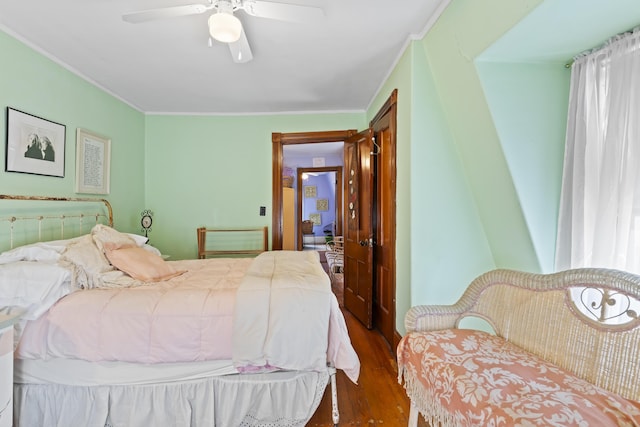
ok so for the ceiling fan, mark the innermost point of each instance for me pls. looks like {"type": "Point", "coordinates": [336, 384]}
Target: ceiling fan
{"type": "Point", "coordinates": [224, 26]}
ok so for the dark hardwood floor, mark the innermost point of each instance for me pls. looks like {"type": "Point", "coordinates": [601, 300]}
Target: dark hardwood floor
{"type": "Point", "coordinates": [377, 399]}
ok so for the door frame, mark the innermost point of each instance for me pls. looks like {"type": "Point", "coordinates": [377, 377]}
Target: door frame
{"type": "Point", "coordinates": [279, 140]}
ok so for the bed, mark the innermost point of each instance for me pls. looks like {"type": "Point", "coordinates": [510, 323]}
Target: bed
{"type": "Point", "coordinates": [114, 335]}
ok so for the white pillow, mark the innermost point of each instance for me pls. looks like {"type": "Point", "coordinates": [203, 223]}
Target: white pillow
{"type": "Point", "coordinates": [86, 263]}
{"type": "Point", "coordinates": [34, 286]}
{"type": "Point", "coordinates": [41, 251]}
{"type": "Point", "coordinates": [140, 240]}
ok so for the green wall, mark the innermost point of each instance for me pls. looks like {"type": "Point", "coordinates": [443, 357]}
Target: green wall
{"type": "Point", "coordinates": [32, 83]}
{"type": "Point", "coordinates": [463, 31]}
{"type": "Point", "coordinates": [215, 171]}
{"type": "Point", "coordinates": [529, 103]}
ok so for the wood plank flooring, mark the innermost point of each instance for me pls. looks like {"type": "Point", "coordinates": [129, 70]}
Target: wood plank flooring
{"type": "Point", "coordinates": [377, 399]}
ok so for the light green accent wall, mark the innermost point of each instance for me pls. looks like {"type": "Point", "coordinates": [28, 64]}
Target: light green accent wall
{"type": "Point", "coordinates": [453, 248]}
{"type": "Point", "coordinates": [34, 84]}
{"type": "Point", "coordinates": [529, 103]}
{"type": "Point", "coordinates": [462, 32]}
{"type": "Point", "coordinates": [215, 171]}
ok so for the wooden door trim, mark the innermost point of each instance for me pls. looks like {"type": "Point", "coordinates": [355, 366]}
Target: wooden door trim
{"type": "Point", "coordinates": [390, 103]}
{"type": "Point", "coordinates": [279, 140]}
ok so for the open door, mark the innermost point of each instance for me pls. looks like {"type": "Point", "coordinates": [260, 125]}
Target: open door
{"type": "Point", "coordinates": [358, 228]}
{"type": "Point", "coordinates": [383, 164]}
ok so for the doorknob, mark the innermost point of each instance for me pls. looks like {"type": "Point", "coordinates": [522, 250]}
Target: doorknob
{"type": "Point", "coordinates": [366, 242]}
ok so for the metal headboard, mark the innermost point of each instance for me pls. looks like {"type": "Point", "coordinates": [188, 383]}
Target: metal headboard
{"type": "Point", "coordinates": [85, 211]}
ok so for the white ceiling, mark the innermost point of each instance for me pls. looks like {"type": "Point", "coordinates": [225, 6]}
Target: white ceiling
{"type": "Point", "coordinates": [166, 66]}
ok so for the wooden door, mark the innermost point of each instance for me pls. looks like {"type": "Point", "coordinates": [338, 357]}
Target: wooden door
{"type": "Point", "coordinates": [384, 166]}
{"type": "Point", "coordinates": [358, 231]}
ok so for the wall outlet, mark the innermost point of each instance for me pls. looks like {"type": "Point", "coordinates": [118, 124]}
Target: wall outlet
{"type": "Point", "coordinates": [263, 210]}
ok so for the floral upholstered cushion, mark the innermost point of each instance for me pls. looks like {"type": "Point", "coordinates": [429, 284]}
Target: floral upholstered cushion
{"type": "Point", "coordinates": [465, 378]}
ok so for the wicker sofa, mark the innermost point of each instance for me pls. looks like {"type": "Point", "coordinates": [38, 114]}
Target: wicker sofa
{"type": "Point", "coordinates": [566, 351]}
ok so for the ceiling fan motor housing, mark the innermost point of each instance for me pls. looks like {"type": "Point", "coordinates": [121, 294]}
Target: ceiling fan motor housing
{"type": "Point", "coordinates": [223, 25]}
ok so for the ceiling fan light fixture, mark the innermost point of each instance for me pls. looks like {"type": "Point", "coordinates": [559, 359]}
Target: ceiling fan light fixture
{"type": "Point", "coordinates": [225, 27]}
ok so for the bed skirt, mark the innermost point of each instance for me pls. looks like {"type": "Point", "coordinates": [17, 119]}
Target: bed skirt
{"type": "Point", "coordinates": [279, 399]}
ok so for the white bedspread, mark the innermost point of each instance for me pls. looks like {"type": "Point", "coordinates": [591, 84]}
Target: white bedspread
{"type": "Point", "coordinates": [286, 317]}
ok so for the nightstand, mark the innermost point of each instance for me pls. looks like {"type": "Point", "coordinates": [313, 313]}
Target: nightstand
{"type": "Point", "coordinates": [6, 366]}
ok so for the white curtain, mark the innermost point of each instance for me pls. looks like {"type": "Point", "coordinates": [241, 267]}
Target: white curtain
{"type": "Point", "coordinates": [599, 218]}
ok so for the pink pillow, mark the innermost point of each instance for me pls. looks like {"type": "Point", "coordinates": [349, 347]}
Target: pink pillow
{"type": "Point", "coordinates": [107, 238]}
{"type": "Point", "coordinates": [141, 264]}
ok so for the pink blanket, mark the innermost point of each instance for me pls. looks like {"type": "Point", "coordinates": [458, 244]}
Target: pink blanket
{"type": "Point", "coordinates": [467, 378]}
{"type": "Point", "coordinates": [188, 318]}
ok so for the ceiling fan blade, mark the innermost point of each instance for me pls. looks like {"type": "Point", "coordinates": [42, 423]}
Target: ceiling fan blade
{"type": "Point", "coordinates": [283, 11]}
{"type": "Point", "coordinates": [240, 50]}
{"type": "Point", "coordinates": [166, 12]}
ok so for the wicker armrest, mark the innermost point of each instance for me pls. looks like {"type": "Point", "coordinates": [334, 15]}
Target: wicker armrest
{"type": "Point", "coordinates": [432, 317]}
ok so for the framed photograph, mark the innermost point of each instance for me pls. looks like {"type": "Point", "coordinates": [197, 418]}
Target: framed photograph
{"type": "Point", "coordinates": [34, 145]}
{"type": "Point", "coordinates": [310, 191]}
{"type": "Point", "coordinates": [93, 162]}
{"type": "Point", "coordinates": [316, 218]}
{"type": "Point", "coordinates": [322, 204]}
{"type": "Point", "coordinates": [318, 162]}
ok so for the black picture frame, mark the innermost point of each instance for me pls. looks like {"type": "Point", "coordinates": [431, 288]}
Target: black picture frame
{"type": "Point", "coordinates": [34, 145]}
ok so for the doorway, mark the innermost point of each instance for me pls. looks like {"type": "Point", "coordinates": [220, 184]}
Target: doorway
{"type": "Point", "coordinates": [378, 305]}
{"type": "Point", "coordinates": [279, 141]}
{"type": "Point", "coordinates": [319, 200]}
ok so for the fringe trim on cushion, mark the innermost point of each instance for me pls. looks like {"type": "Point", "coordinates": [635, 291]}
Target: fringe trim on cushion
{"type": "Point", "coordinates": [429, 406]}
